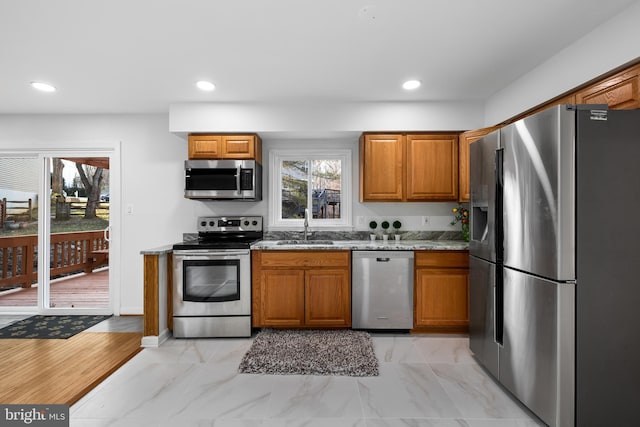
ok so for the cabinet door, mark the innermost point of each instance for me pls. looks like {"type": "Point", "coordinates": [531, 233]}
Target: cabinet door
{"type": "Point", "coordinates": [441, 297]}
{"type": "Point", "coordinates": [432, 167]}
{"type": "Point", "coordinates": [205, 146]}
{"type": "Point", "coordinates": [328, 298]}
{"type": "Point", "coordinates": [381, 168]}
{"type": "Point", "coordinates": [464, 141]}
{"type": "Point", "coordinates": [619, 91]}
{"type": "Point", "coordinates": [282, 297]}
{"type": "Point", "coordinates": [238, 147]}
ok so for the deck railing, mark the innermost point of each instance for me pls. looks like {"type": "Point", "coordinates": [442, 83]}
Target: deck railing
{"type": "Point", "coordinates": [70, 252]}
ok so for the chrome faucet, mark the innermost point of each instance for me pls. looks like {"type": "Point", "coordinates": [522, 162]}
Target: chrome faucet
{"type": "Point", "coordinates": [306, 223]}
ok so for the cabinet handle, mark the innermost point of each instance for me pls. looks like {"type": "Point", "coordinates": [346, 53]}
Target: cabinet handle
{"type": "Point", "coordinates": [383, 259]}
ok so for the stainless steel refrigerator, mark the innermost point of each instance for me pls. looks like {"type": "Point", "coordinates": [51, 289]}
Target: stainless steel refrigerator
{"type": "Point", "coordinates": [555, 255]}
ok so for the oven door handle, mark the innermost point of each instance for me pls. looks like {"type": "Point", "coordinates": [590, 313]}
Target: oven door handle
{"type": "Point", "coordinates": [209, 254]}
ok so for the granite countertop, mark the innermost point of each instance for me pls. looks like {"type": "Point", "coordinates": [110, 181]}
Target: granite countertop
{"type": "Point", "coordinates": [161, 250]}
{"type": "Point", "coordinates": [367, 245]}
{"type": "Point", "coordinates": [417, 240]}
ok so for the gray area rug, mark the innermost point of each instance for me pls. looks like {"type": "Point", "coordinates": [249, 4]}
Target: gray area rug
{"type": "Point", "coordinates": [311, 352]}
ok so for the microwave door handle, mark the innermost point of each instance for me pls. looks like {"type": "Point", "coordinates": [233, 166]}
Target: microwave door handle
{"type": "Point", "coordinates": [238, 179]}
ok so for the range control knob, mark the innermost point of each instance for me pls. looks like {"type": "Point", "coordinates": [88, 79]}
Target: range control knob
{"type": "Point", "coordinates": [254, 222]}
{"type": "Point", "coordinates": [212, 223]}
{"type": "Point", "coordinates": [203, 223]}
{"type": "Point", "coordinates": [246, 223]}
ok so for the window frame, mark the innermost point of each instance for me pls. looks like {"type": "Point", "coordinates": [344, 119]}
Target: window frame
{"type": "Point", "coordinates": [276, 157]}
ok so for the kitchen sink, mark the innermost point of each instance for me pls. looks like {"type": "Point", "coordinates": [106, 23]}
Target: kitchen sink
{"type": "Point", "coordinates": [305, 242]}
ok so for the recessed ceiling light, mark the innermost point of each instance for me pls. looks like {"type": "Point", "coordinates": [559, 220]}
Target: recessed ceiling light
{"type": "Point", "coordinates": [45, 87]}
{"type": "Point", "coordinates": [411, 84]}
{"type": "Point", "coordinates": [205, 85]}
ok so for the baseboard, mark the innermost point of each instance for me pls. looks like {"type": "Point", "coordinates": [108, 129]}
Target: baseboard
{"type": "Point", "coordinates": [131, 311]}
{"type": "Point", "coordinates": [155, 341]}
{"type": "Point", "coordinates": [457, 329]}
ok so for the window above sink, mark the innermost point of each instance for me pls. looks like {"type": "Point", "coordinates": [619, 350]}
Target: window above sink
{"type": "Point", "coordinates": [317, 180]}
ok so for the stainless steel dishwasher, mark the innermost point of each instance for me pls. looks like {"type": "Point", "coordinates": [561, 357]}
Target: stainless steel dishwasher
{"type": "Point", "coordinates": [382, 289]}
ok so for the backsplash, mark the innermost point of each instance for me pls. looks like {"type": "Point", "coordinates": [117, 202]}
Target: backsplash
{"type": "Point", "coordinates": [349, 235]}
{"type": "Point", "coordinates": [362, 235]}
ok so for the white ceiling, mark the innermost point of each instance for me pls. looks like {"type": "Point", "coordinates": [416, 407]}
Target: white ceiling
{"type": "Point", "coordinates": [140, 56]}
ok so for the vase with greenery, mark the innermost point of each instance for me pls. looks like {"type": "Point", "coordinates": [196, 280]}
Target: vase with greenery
{"type": "Point", "coordinates": [462, 216]}
{"type": "Point", "coordinates": [396, 229]}
{"type": "Point", "coordinates": [373, 225]}
{"type": "Point", "coordinates": [385, 226]}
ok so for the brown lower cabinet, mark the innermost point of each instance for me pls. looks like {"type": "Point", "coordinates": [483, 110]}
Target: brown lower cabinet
{"type": "Point", "coordinates": [301, 289]}
{"type": "Point", "coordinates": [441, 296]}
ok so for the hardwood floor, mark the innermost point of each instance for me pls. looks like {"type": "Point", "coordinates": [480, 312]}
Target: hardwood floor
{"type": "Point", "coordinates": [59, 371]}
{"type": "Point", "coordinates": [79, 291]}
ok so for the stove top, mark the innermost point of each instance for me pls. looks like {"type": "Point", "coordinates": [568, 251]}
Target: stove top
{"type": "Point", "coordinates": [228, 232]}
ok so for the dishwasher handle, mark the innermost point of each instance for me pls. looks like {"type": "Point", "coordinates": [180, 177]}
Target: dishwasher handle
{"type": "Point", "coordinates": [383, 256]}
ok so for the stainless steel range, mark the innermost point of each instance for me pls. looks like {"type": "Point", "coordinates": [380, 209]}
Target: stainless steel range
{"type": "Point", "coordinates": [212, 278]}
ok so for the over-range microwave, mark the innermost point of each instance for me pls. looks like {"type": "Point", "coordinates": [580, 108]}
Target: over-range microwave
{"type": "Point", "coordinates": [223, 179]}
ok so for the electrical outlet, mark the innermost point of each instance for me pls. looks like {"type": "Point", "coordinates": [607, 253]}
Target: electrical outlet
{"type": "Point", "coordinates": [426, 220]}
{"type": "Point", "coordinates": [360, 220]}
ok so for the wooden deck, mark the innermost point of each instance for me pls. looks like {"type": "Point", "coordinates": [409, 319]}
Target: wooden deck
{"type": "Point", "coordinates": [85, 290]}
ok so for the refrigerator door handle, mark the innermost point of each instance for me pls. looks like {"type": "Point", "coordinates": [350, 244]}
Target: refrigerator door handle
{"type": "Point", "coordinates": [499, 223]}
{"type": "Point", "coordinates": [499, 236]}
{"type": "Point", "coordinates": [499, 306]}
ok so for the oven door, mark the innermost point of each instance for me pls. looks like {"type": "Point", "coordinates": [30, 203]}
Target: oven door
{"type": "Point", "coordinates": [212, 283]}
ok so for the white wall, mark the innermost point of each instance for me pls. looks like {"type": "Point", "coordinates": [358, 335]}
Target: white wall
{"type": "Point", "coordinates": [610, 45]}
{"type": "Point", "coordinates": [319, 120]}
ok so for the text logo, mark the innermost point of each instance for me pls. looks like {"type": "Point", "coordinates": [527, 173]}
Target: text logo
{"type": "Point", "coordinates": [34, 415]}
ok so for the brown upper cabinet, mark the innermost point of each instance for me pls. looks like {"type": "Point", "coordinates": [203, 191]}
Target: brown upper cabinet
{"type": "Point", "coordinates": [619, 91]}
{"type": "Point", "coordinates": [225, 146]}
{"type": "Point", "coordinates": [464, 141]}
{"type": "Point", "coordinates": [411, 167]}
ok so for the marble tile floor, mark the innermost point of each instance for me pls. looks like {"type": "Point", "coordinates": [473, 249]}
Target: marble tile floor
{"type": "Point", "coordinates": [425, 381]}
{"type": "Point", "coordinates": [118, 324]}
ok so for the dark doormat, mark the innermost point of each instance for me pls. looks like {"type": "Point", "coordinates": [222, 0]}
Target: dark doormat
{"type": "Point", "coordinates": [311, 352]}
{"type": "Point", "coordinates": [50, 326]}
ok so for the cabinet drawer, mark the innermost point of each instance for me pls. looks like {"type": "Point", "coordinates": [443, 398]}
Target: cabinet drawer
{"type": "Point", "coordinates": [455, 259]}
{"type": "Point", "coordinates": [305, 259]}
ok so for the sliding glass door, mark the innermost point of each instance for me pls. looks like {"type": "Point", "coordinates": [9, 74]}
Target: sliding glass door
{"type": "Point", "coordinates": [55, 233]}
{"type": "Point", "coordinates": [19, 204]}
{"type": "Point", "coordinates": [78, 233]}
